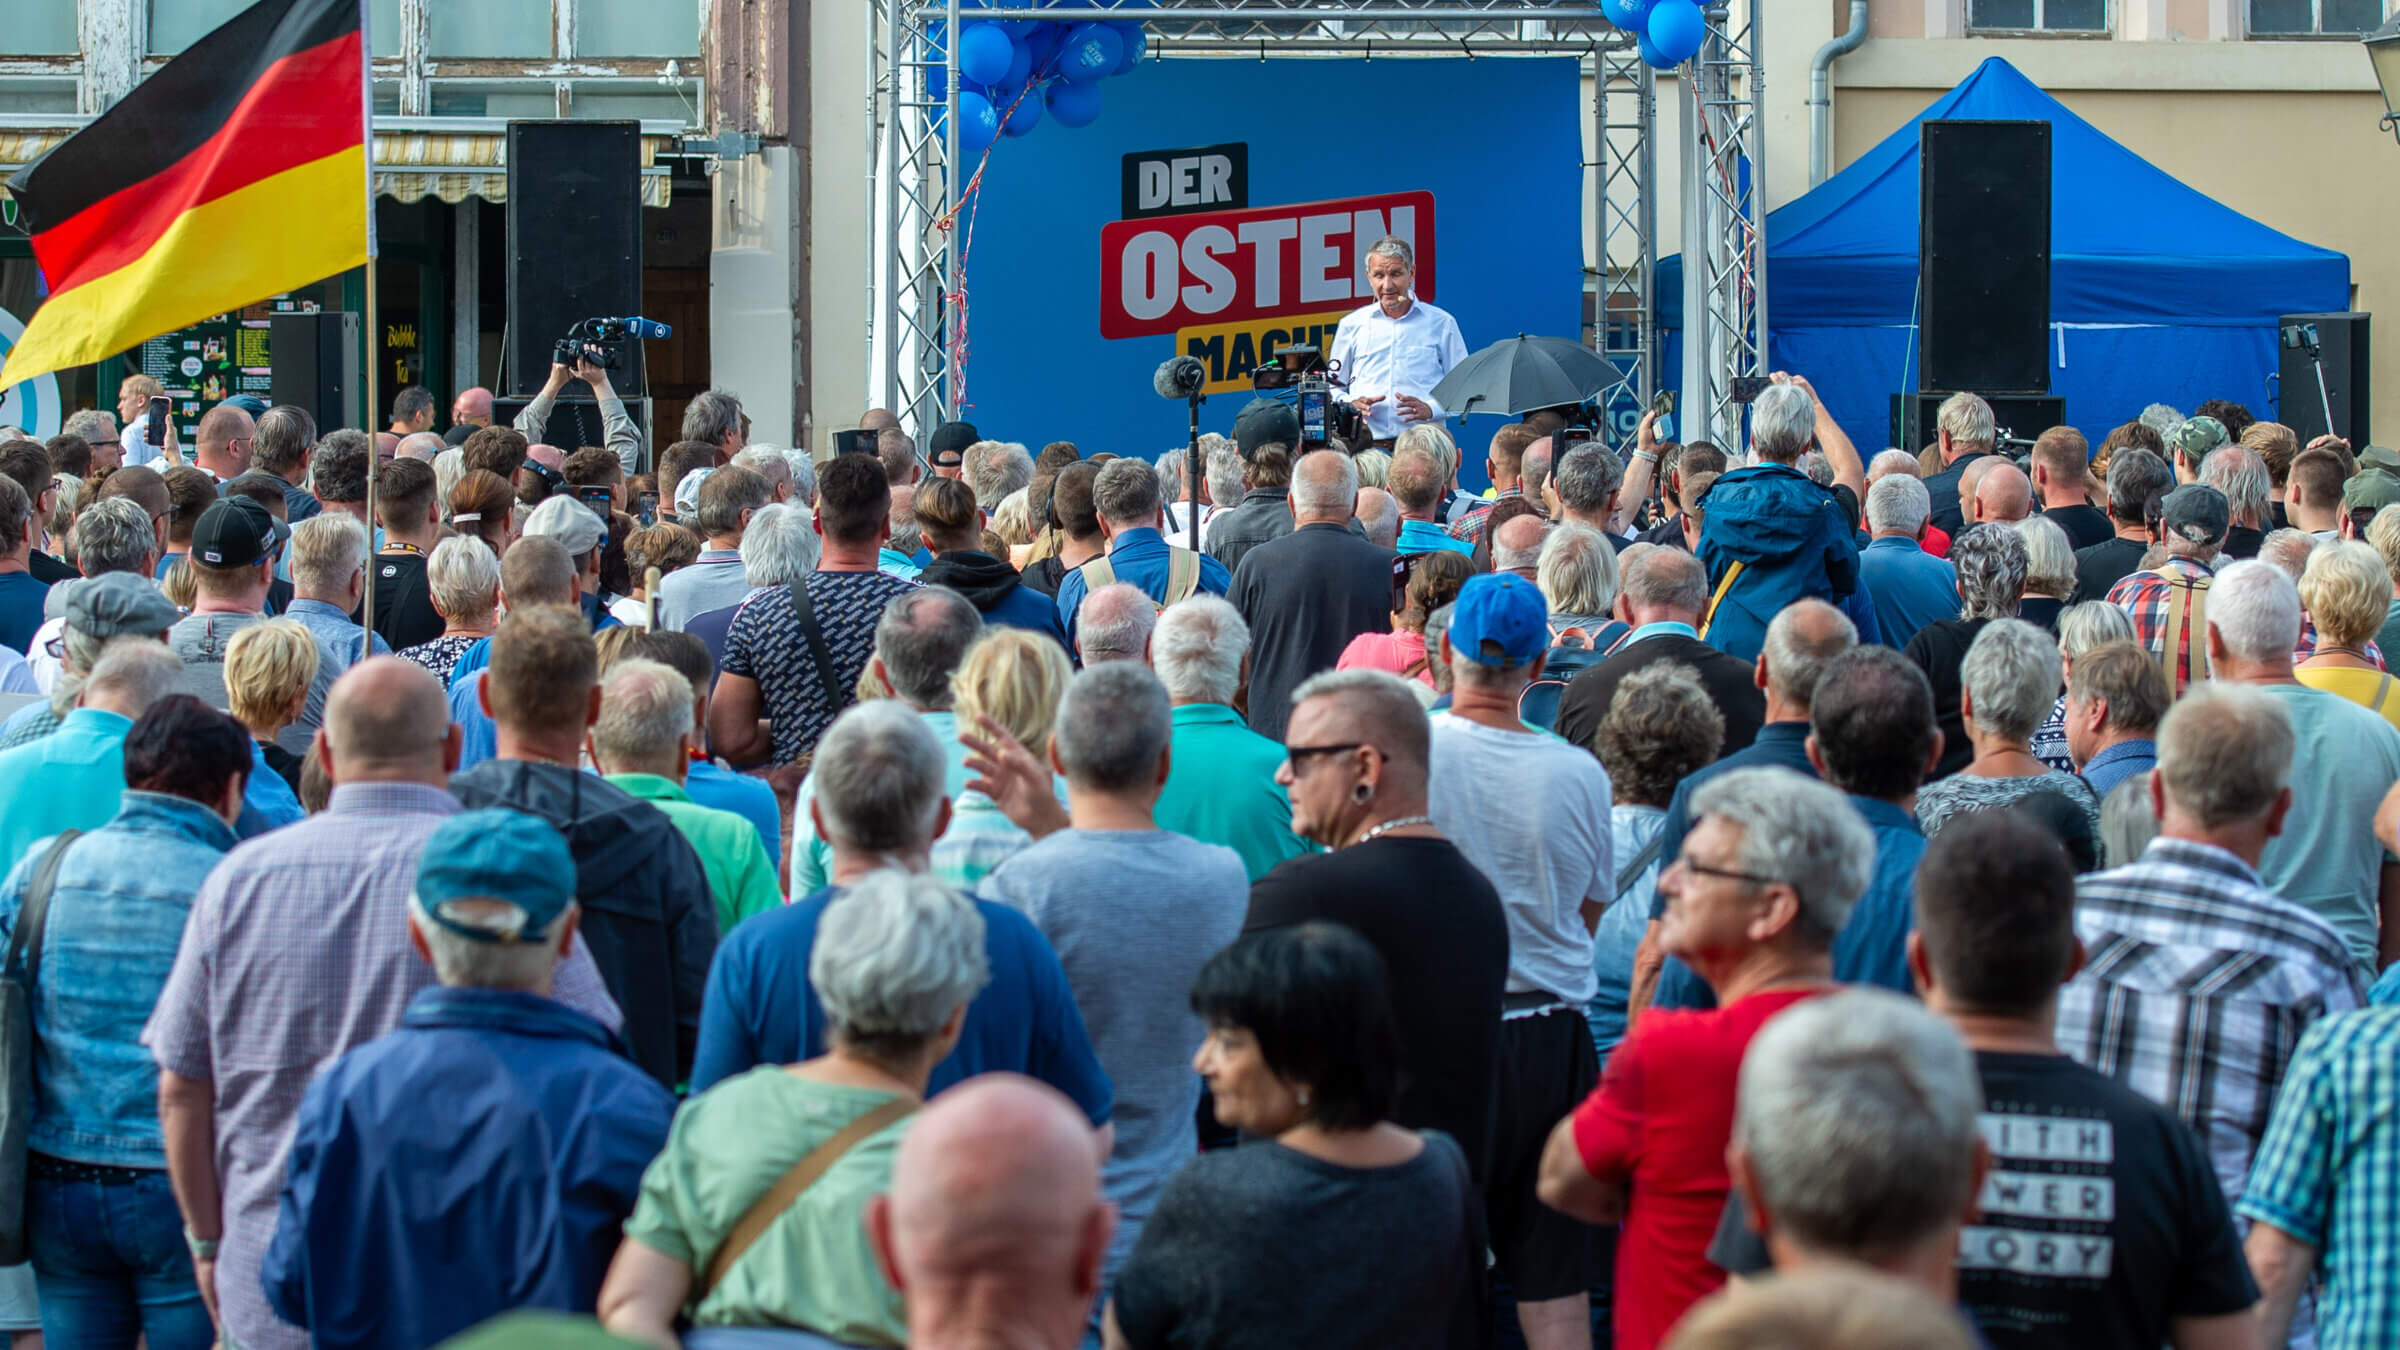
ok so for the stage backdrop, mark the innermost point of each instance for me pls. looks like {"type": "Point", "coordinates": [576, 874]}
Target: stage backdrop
{"type": "Point", "coordinates": [1220, 207]}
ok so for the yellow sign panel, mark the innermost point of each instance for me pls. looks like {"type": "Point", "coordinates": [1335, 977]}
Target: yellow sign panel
{"type": "Point", "coordinates": [1232, 350]}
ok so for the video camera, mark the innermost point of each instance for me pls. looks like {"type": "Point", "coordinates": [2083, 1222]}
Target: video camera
{"type": "Point", "coordinates": [1325, 417]}
{"type": "Point", "coordinates": [602, 341]}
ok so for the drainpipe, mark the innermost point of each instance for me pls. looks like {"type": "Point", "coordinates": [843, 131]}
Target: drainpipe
{"type": "Point", "coordinates": [1820, 93]}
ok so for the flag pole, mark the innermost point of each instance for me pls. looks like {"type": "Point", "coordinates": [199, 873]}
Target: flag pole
{"type": "Point", "coordinates": [366, 641]}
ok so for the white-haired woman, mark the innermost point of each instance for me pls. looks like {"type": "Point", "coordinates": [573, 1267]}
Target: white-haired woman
{"type": "Point", "coordinates": [1990, 561]}
{"type": "Point", "coordinates": [2080, 628]}
{"type": "Point", "coordinates": [2049, 572]}
{"type": "Point", "coordinates": [896, 960]}
{"type": "Point", "coordinates": [2010, 676]}
{"type": "Point", "coordinates": [463, 579]}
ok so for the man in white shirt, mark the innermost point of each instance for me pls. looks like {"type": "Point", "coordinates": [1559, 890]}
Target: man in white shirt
{"type": "Point", "coordinates": [1392, 353]}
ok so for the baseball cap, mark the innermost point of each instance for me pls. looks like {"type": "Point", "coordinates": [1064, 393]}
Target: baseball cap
{"type": "Point", "coordinates": [568, 521]}
{"type": "Point", "coordinates": [687, 488]}
{"type": "Point", "coordinates": [1501, 620]}
{"type": "Point", "coordinates": [234, 532]}
{"type": "Point", "coordinates": [948, 447]}
{"type": "Point", "coordinates": [1265, 422]}
{"type": "Point", "coordinates": [117, 602]}
{"type": "Point", "coordinates": [249, 403]}
{"type": "Point", "coordinates": [496, 855]}
{"type": "Point", "coordinates": [2197, 513]}
{"type": "Point", "coordinates": [2376, 485]}
{"type": "Point", "coordinates": [2199, 435]}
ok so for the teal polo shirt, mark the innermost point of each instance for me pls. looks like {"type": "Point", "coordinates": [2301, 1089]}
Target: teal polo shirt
{"type": "Point", "coordinates": [71, 779]}
{"type": "Point", "coordinates": [1221, 788]}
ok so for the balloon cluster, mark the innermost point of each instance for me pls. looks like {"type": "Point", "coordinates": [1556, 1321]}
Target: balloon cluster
{"type": "Point", "coordinates": [1011, 71]}
{"type": "Point", "coordinates": [1669, 32]}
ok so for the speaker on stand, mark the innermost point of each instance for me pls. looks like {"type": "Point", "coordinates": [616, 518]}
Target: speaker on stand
{"type": "Point", "coordinates": [316, 358]}
{"type": "Point", "coordinates": [574, 242]}
{"type": "Point", "coordinates": [2323, 380]}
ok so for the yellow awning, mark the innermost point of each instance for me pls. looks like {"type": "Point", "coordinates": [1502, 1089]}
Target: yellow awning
{"type": "Point", "coordinates": [409, 165]}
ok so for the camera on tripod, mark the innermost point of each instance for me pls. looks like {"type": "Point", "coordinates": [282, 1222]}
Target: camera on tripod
{"type": "Point", "coordinates": [2300, 337]}
{"type": "Point", "coordinates": [1325, 417]}
{"type": "Point", "coordinates": [602, 341]}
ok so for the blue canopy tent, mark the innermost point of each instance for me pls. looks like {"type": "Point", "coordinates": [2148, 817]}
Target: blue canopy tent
{"type": "Point", "coordinates": [2157, 292]}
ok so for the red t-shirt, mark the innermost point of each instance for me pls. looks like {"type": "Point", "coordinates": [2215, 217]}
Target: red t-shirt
{"type": "Point", "coordinates": [1660, 1120]}
{"type": "Point", "coordinates": [1936, 541]}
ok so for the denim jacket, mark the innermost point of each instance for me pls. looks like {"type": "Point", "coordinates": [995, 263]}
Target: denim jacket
{"type": "Point", "coordinates": [116, 918]}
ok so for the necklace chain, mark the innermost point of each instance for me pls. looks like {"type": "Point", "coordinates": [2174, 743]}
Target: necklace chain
{"type": "Point", "coordinates": [1400, 823]}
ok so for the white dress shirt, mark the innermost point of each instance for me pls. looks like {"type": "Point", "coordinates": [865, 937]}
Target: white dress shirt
{"type": "Point", "coordinates": [1379, 354]}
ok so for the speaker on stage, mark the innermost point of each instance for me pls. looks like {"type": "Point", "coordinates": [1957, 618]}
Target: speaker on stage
{"type": "Point", "coordinates": [1983, 260]}
{"type": "Point", "coordinates": [1916, 417]}
{"type": "Point", "coordinates": [2341, 350]}
{"type": "Point", "coordinates": [574, 241]}
{"type": "Point", "coordinates": [315, 359]}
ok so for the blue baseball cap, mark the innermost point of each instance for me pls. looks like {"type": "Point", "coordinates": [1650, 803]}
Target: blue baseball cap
{"type": "Point", "coordinates": [1501, 620]}
{"type": "Point", "coordinates": [497, 855]}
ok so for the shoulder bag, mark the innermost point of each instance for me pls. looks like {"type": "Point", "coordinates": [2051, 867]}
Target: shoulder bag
{"type": "Point", "coordinates": [17, 980]}
{"type": "Point", "coordinates": [771, 1204]}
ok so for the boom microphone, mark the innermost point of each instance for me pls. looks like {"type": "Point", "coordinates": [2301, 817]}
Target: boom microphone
{"type": "Point", "coordinates": [1181, 378]}
{"type": "Point", "coordinates": [647, 328]}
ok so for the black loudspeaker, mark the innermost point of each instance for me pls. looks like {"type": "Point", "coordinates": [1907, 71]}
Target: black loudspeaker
{"type": "Point", "coordinates": [1983, 257]}
{"type": "Point", "coordinates": [2342, 351]}
{"type": "Point", "coordinates": [316, 358]}
{"type": "Point", "coordinates": [574, 241]}
{"type": "Point", "coordinates": [1916, 417]}
{"type": "Point", "coordinates": [574, 423]}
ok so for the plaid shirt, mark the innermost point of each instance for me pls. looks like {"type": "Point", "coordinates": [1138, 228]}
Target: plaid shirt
{"type": "Point", "coordinates": [2328, 1173]}
{"type": "Point", "coordinates": [2151, 599]}
{"type": "Point", "coordinates": [296, 951]}
{"type": "Point", "coordinates": [1473, 521]}
{"type": "Point", "coordinates": [2198, 985]}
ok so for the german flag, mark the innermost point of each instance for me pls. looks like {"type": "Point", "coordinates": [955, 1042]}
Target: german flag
{"type": "Point", "coordinates": [238, 171]}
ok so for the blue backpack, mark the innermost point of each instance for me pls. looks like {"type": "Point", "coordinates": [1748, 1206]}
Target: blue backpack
{"type": "Point", "coordinates": [1572, 652]}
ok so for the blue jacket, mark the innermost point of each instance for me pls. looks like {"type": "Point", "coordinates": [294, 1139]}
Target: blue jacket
{"type": "Point", "coordinates": [482, 1157]}
{"type": "Point", "coordinates": [760, 1008]}
{"type": "Point", "coordinates": [1792, 540]}
{"type": "Point", "coordinates": [116, 918]}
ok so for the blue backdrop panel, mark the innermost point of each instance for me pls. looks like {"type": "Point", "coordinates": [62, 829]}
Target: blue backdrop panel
{"type": "Point", "coordinates": [1498, 145]}
{"type": "Point", "coordinates": [2198, 284]}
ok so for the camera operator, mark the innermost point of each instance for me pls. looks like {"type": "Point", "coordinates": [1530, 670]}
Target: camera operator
{"type": "Point", "coordinates": [1391, 354]}
{"type": "Point", "coordinates": [617, 429]}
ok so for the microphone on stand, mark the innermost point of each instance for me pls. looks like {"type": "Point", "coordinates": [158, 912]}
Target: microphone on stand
{"type": "Point", "coordinates": [1183, 377]}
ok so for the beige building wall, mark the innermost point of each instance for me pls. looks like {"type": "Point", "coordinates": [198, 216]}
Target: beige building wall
{"type": "Point", "coordinates": [2284, 132]}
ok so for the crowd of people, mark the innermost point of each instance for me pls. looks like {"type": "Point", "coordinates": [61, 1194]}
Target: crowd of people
{"type": "Point", "coordinates": [486, 893]}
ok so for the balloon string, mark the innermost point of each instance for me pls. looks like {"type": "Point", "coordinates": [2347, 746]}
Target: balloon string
{"type": "Point", "coordinates": [955, 299]}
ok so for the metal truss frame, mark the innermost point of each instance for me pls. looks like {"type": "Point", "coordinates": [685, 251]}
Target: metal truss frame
{"type": "Point", "coordinates": [1724, 224]}
{"type": "Point", "coordinates": [926, 200]}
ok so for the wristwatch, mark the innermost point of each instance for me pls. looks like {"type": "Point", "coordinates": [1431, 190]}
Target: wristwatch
{"type": "Point", "coordinates": [203, 1249]}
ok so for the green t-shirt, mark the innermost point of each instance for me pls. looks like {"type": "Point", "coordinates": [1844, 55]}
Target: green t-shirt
{"type": "Point", "coordinates": [1221, 789]}
{"type": "Point", "coordinates": [740, 874]}
{"type": "Point", "coordinates": [813, 1267]}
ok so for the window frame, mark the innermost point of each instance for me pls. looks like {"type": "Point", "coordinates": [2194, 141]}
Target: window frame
{"type": "Point", "coordinates": [2316, 31]}
{"type": "Point", "coordinates": [2107, 28]}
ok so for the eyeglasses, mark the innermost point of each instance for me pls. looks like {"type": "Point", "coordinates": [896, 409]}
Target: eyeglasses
{"type": "Point", "coordinates": [1728, 873]}
{"type": "Point", "coordinates": [1300, 754]}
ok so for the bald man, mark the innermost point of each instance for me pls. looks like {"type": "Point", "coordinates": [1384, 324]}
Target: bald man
{"type": "Point", "coordinates": [472, 408]}
{"type": "Point", "coordinates": [994, 1230]}
{"type": "Point", "coordinates": [2002, 496]}
{"type": "Point", "coordinates": [221, 445]}
{"type": "Point", "coordinates": [422, 445]}
{"type": "Point", "coordinates": [1969, 478]}
{"type": "Point", "coordinates": [1517, 545]}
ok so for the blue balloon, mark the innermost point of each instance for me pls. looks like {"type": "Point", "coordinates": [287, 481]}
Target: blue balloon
{"type": "Point", "coordinates": [1026, 115]}
{"type": "Point", "coordinates": [1020, 65]}
{"type": "Point", "coordinates": [984, 51]}
{"type": "Point", "coordinates": [1677, 28]}
{"type": "Point", "coordinates": [1135, 41]}
{"type": "Point", "coordinates": [1630, 15]}
{"type": "Point", "coordinates": [978, 123]}
{"type": "Point", "coordinates": [1089, 52]}
{"type": "Point", "coordinates": [1043, 42]}
{"type": "Point", "coordinates": [1073, 105]}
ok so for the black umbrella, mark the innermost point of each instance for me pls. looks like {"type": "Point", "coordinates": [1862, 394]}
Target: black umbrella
{"type": "Point", "coordinates": [1520, 374]}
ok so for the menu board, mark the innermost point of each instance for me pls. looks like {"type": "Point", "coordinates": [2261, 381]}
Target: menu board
{"type": "Point", "coordinates": [218, 357]}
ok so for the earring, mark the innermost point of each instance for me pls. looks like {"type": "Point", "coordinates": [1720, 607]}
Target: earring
{"type": "Point", "coordinates": [1362, 794]}
{"type": "Point", "coordinates": [1303, 1095]}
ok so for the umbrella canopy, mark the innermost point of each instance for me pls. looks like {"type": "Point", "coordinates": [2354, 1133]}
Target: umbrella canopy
{"type": "Point", "coordinates": [1520, 374]}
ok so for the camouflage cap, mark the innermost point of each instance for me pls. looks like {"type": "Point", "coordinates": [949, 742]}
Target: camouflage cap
{"type": "Point", "coordinates": [2198, 436]}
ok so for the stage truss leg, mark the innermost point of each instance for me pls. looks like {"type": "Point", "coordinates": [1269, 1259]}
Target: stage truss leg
{"type": "Point", "coordinates": [1724, 214]}
{"type": "Point", "coordinates": [1625, 214]}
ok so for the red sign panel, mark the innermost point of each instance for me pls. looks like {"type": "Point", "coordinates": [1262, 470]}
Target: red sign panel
{"type": "Point", "coordinates": [1214, 267]}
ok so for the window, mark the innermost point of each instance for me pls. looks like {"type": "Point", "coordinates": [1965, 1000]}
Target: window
{"type": "Point", "coordinates": [636, 28]}
{"type": "Point", "coordinates": [177, 24]}
{"type": "Point", "coordinates": [490, 28]}
{"type": "Point", "coordinates": [2039, 16]}
{"type": "Point", "coordinates": [39, 28]}
{"type": "Point", "coordinates": [2307, 18]}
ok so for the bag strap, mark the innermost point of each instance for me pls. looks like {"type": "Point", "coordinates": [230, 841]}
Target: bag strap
{"type": "Point", "coordinates": [770, 1205]}
{"type": "Point", "coordinates": [25, 944]}
{"type": "Point", "coordinates": [1732, 574]}
{"type": "Point", "coordinates": [814, 633]}
{"type": "Point", "coordinates": [1183, 574]}
{"type": "Point", "coordinates": [2383, 690]}
{"type": "Point", "coordinates": [1097, 573]}
{"type": "Point", "coordinates": [2187, 619]}
{"type": "Point", "coordinates": [1632, 871]}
